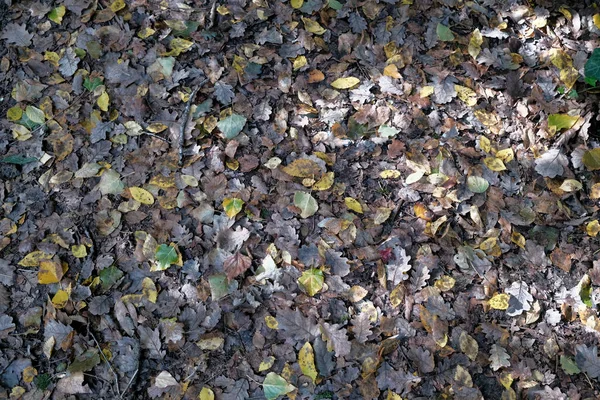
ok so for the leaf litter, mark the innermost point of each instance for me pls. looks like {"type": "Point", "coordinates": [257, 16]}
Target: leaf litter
{"type": "Point", "coordinates": [307, 199]}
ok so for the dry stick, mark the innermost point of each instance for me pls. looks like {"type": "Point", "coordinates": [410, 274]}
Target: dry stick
{"type": "Point", "coordinates": [109, 364]}
{"type": "Point", "coordinates": [212, 15]}
{"type": "Point", "coordinates": [129, 384]}
{"type": "Point", "coordinates": [185, 117]}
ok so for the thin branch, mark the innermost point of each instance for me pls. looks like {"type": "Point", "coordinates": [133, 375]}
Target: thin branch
{"type": "Point", "coordinates": [185, 116]}
{"type": "Point", "coordinates": [130, 382]}
{"type": "Point", "coordinates": [109, 364]}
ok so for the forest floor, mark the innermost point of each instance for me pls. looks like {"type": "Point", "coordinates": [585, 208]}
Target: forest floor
{"type": "Point", "coordinates": [309, 199]}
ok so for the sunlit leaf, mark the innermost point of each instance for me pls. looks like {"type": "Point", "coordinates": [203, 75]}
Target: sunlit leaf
{"type": "Point", "coordinates": [232, 206]}
{"type": "Point", "coordinates": [353, 205]}
{"type": "Point", "coordinates": [313, 26]}
{"type": "Point", "coordinates": [312, 281]}
{"type": "Point", "coordinates": [591, 159]}
{"type": "Point", "coordinates": [499, 301]}
{"type": "Point", "coordinates": [141, 195]}
{"type": "Point", "coordinates": [345, 83]}
{"type": "Point", "coordinates": [475, 43]}
{"type": "Point", "coordinates": [165, 256]}
{"type": "Point", "coordinates": [306, 359]}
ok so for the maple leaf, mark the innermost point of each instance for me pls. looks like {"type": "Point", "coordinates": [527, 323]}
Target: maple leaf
{"type": "Point", "coordinates": [17, 34]}
{"type": "Point", "coordinates": [398, 381]}
{"type": "Point", "coordinates": [336, 338]}
{"type": "Point", "coordinates": [551, 164]}
{"type": "Point", "coordinates": [587, 359]}
{"type": "Point", "coordinates": [361, 325]}
{"type": "Point", "coordinates": [296, 326]}
{"type": "Point", "coordinates": [398, 268]}
{"type": "Point", "coordinates": [499, 357]}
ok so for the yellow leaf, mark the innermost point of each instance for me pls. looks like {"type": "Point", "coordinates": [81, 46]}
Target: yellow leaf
{"type": "Point", "coordinates": [306, 359]}
{"type": "Point", "coordinates": [565, 11]}
{"type": "Point", "coordinates": [487, 118]}
{"type": "Point", "coordinates": [117, 5]}
{"type": "Point", "coordinates": [466, 94]}
{"type": "Point", "coordinates": [33, 259]}
{"type": "Point", "coordinates": [232, 206]}
{"type": "Point", "coordinates": [392, 71]}
{"type": "Point", "coordinates": [206, 394]}
{"type": "Point", "coordinates": [506, 155]}
{"type": "Point", "coordinates": [560, 59]}
{"type": "Point", "coordinates": [210, 343]}
{"type": "Point", "coordinates": [103, 101]}
{"type": "Point", "coordinates": [266, 363]}
{"type": "Point", "coordinates": [390, 174]}
{"type": "Point", "coordinates": [149, 290]}
{"type": "Point", "coordinates": [271, 322]}
{"type": "Point", "coordinates": [445, 283]}
{"type": "Point", "coordinates": [499, 301]}
{"type": "Point", "coordinates": [569, 76]}
{"type": "Point", "coordinates": [325, 182]}
{"type": "Point", "coordinates": [397, 295]}
{"type": "Point", "coordinates": [146, 32]}
{"type": "Point", "coordinates": [506, 380]}
{"type": "Point", "coordinates": [299, 62]}
{"type": "Point", "coordinates": [313, 26]}
{"type": "Point", "coordinates": [303, 168]}
{"type": "Point", "coordinates": [345, 83]}
{"type": "Point", "coordinates": [14, 113]}
{"type": "Point", "coordinates": [51, 271]}
{"type": "Point", "coordinates": [156, 127]}
{"type": "Point", "coordinates": [426, 91]}
{"type": "Point", "coordinates": [60, 299]}
{"type": "Point", "coordinates": [21, 133]}
{"type": "Point", "coordinates": [163, 182]}
{"type": "Point", "coordinates": [597, 20]}
{"type": "Point", "coordinates": [178, 46]}
{"type": "Point", "coordinates": [391, 395]}
{"type": "Point", "coordinates": [79, 251]}
{"type": "Point", "coordinates": [494, 164]}
{"type": "Point", "coordinates": [57, 14]}
{"type": "Point", "coordinates": [468, 345]}
{"type": "Point", "coordinates": [593, 228]}
{"type": "Point", "coordinates": [223, 10]}
{"type": "Point", "coordinates": [595, 191]}
{"type": "Point", "coordinates": [475, 43]}
{"type": "Point", "coordinates": [485, 144]}
{"type": "Point", "coordinates": [141, 195]}
{"type": "Point", "coordinates": [297, 4]}
{"type": "Point", "coordinates": [571, 185]}
{"type": "Point", "coordinates": [517, 239]}
{"type": "Point", "coordinates": [189, 180]}
{"type": "Point", "coordinates": [29, 373]}
{"type": "Point", "coordinates": [353, 205]}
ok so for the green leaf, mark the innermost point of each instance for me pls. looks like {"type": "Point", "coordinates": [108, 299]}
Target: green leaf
{"type": "Point", "coordinates": [569, 366]}
{"type": "Point", "coordinates": [165, 255]}
{"type": "Point", "coordinates": [592, 67]}
{"type": "Point", "coordinates": [35, 115]}
{"type": "Point", "coordinates": [109, 276]}
{"type": "Point", "coordinates": [336, 5]}
{"type": "Point", "coordinates": [57, 14]}
{"type": "Point", "coordinates": [477, 184]}
{"type": "Point", "coordinates": [306, 203]}
{"type": "Point", "coordinates": [274, 386]}
{"type": "Point", "coordinates": [444, 33]}
{"type": "Point", "coordinates": [91, 84]}
{"type": "Point", "coordinates": [312, 281]}
{"type": "Point", "coordinates": [562, 121]}
{"type": "Point", "coordinates": [232, 206]}
{"type": "Point", "coordinates": [219, 286]}
{"type": "Point", "coordinates": [110, 183]}
{"type": "Point", "coordinates": [591, 159]}
{"type": "Point", "coordinates": [85, 362]}
{"type": "Point", "coordinates": [232, 125]}
{"type": "Point", "coordinates": [387, 131]}
{"type": "Point", "coordinates": [17, 159]}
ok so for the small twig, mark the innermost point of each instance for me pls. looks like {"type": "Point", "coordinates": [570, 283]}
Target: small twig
{"type": "Point", "coordinates": [185, 118]}
{"type": "Point", "coordinates": [155, 136]}
{"type": "Point", "coordinates": [130, 382]}
{"type": "Point", "coordinates": [212, 15]}
{"type": "Point", "coordinates": [107, 362]}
